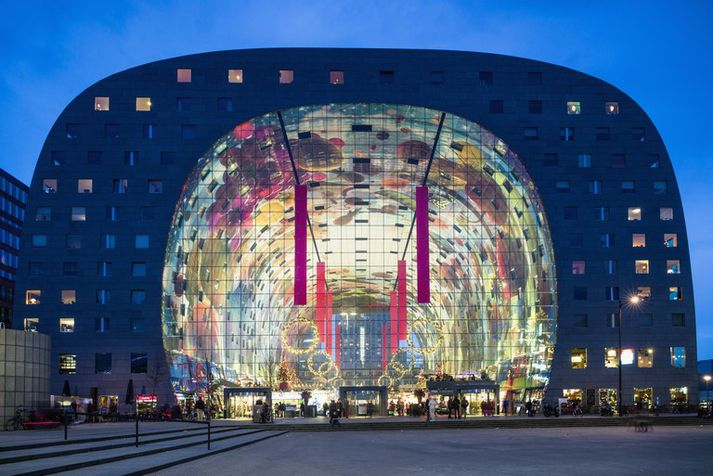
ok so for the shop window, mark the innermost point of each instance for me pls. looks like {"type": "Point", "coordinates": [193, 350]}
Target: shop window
{"type": "Point", "coordinates": [581, 320]}
{"type": "Point", "coordinates": [534, 107]}
{"type": "Point", "coordinates": [562, 186]}
{"type": "Point", "coordinates": [85, 186]}
{"type": "Point", "coordinates": [235, 76]}
{"type": "Point", "coordinates": [136, 324]}
{"type": "Point", "coordinates": [611, 108]}
{"type": "Point", "coordinates": [143, 104]}
{"type": "Point", "coordinates": [486, 78]}
{"type": "Point", "coordinates": [584, 161]}
{"type": "Point", "coordinates": [673, 266]}
{"type": "Point", "coordinates": [149, 131]}
{"type": "Point", "coordinates": [573, 394]}
{"type": "Point", "coordinates": [101, 103]}
{"type": "Point", "coordinates": [49, 185]}
{"type": "Point", "coordinates": [612, 320]}
{"type": "Point", "coordinates": [43, 214]}
{"type": "Point", "coordinates": [627, 356]}
{"type": "Point", "coordinates": [628, 186]}
{"type": "Point", "coordinates": [678, 319]}
{"type": "Point", "coordinates": [167, 158]}
{"type": "Point", "coordinates": [534, 78]}
{"type": "Point", "coordinates": [104, 269]}
{"type": "Point", "coordinates": [531, 133]}
{"type": "Point", "coordinates": [634, 214]}
{"type": "Point", "coordinates": [102, 363]}
{"type": "Point", "coordinates": [602, 133]}
{"type": "Point", "coordinates": [643, 292]}
{"type": "Point", "coordinates": [108, 242]}
{"type": "Point", "coordinates": [33, 296]}
{"type": "Point", "coordinates": [120, 185]}
{"type": "Point", "coordinates": [579, 293]}
{"type": "Point", "coordinates": [567, 134]}
{"type": "Point", "coordinates": [670, 240]}
{"type": "Point", "coordinates": [646, 319]}
{"type": "Point", "coordinates": [68, 364]}
{"type": "Point", "coordinates": [71, 131]}
{"type": "Point", "coordinates": [610, 358]}
{"type": "Point", "coordinates": [678, 396]}
{"type": "Point", "coordinates": [73, 242]}
{"type": "Point", "coordinates": [138, 296]}
{"type": "Point", "coordinates": [31, 324]}
{"type": "Point", "coordinates": [287, 76]}
{"type": "Point", "coordinates": [675, 293]}
{"type": "Point", "coordinates": [595, 187]}
{"type": "Point", "coordinates": [660, 187]}
{"type": "Point", "coordinates": [666, 214]}
{"type": "Point", "coordinates": [139, 363]}
{"type": "Point", "coordinates": [551, 160]}
{"type": "Point", "coordinates": [496, 106]}
{"type": "Point", "coordinates": [183, 104]}
{"type": "Point", "coordinates": [611, 293]}
{"type": "Point", "coordinates": [70, 268]}
{"type": "Point", "coordinates": [225, 104]}
{"type": "Point", "coordinates": [608, 240]}
{"type": "Point", "coordinates": [184, 75]}
{"type": "Point", "coordinates": [610, 266]}
{"type": "Point", "coordinates": [638, 240]}
{"type": "Point", "coordinates": [645, 358]}
{"type": "Point", "coordinates": [638, 134]}
{"type": "Point", "coordinates": [579, 358]}
{"type": "Point", "coordinates": [111, 131]}
{"type": "Point", "coordinates": [138, 269]}
{"type": "Point", "coordinates": [79, 214]}
{"type": "Point", "coordinates": [570, 213]}
{"type": "Point", "coordinates": [69, 296]}
{"type": "Point", "coordinates": [578, 267]}
{"type": "Point", "coordinates": [141, 241]}
{"type": "Point", "coordinates": [643, 397]}
{"type": "Point", "coordinates": [103, 296]}
{"type": "Point", "coordinates": [601, 213]}
{"type": "Point", "coordinates": [678, 357]}
{"type": "Point", "coordinates": [188, 131]}
{"type": "Point", "coordinates": [574, 107]}
{"type": "Point", "coordinates": [641, 266]}
{"type": "Point", "coordinates": [66, 324]}
{"type": "Point", "coordinates": [102, 324]}
{"type": "Point", "coordinates": [155, 186]}
{"type": "Point", "coordinates": [386, 77]}
{"type": "Point", "coordinates": [39, 241]}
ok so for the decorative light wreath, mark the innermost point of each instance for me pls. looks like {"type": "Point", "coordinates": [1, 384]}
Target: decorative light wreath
{"type": "Point", "coordinates": [322, 369]}
{"type": "Point", "coordinates": [438, 331]}
{"type": "Point", "coordinates": [293, 350]}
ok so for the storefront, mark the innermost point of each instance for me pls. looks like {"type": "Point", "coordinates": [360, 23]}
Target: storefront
{"type": "Point", "coordinates": [643, 397]}
{"type": "Point", "coordinates": [480, 394]}
{"type": "Point", "coordinates": [146, 403]}
{"type": "Point", "coordinates": [240, 402]}
{"type": "Point", "coordinates": [364, 401]}
{"type": "Point", "coordinates": [108, 404]}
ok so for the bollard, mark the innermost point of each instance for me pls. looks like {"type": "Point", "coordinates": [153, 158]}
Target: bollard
{"type": "Point", "coordinates": [137, 429]}
{"type": "Point", "coordinates": [65, 427]}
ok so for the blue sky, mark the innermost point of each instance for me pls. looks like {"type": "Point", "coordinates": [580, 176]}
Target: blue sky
{"type": "Point", "coordinates": [660, 53]}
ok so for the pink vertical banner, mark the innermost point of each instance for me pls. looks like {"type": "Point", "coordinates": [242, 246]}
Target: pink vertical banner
{"type": "Point", "coordinates": [402, 301]}
{"type": "Point", "coordinates": [300, 245]}
{"type": "Point", "coordinates": [423, 277]}
{"type": "Point", "coordinates": [321, 302]}
{"type": "Point", "coordinates": [394, 320]}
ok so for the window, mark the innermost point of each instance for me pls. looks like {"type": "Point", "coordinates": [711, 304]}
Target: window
{"type": "Point", "coordinates": [611, 108]}
{"type": "Point", "coordinates": [68, 364]}
{"type": "Point", "coordinates": [102, 363]}
{"type": "Point", "coordinates": [678, 357]}
{"type": "Point", "coordinates": [534, 78]}
{"type": "Point", "coordinates": [612, 319]}
{"type": "Point", "coordinates": [486, 78]}
{"type": "Point", "coordinates": [31, 324]}
{"type": "Point", "coordinates": [579, 293]}
{"type": "Point", "coordinates": [567, 134]}
{"type": "Point", "coordinates": [101, 103]}
{"type": "Point", "coordinates": [610, 360]}
{"type": "Point", "coordinates": [111, 131]}
{"type": "Point", "coordinates": [551, 160]}
{"type": "Point", "coordinates": [673, 266]}
{"type": "Point", "coordinates": [530, 133]}
{"type": "Point", "coordinates": [225, 105]}
{"type": "Point", "coordinates": [143, 104]}
{"type": "Point", "coordinates": [678, 396]}
{"type": "Point", "coordinates": [79, 214]}
{"type": "Point", "coordinates": [39, 241]}
{"type": "Point", "coordinates": [675, 293]}
{"type": "Point", "coordinates": [601, 214]}
{"type": "Point", "coordinates": [94, 157]}
{"type": "Point", "coordinates": [104, 269]}
{"type": "Point", "coordinates": [138, 269]}
{"type": "Point", "coordinates": [670, 240]}
{"type": "Point", "coordinates": [141, 241]}
{"type": "Point", "coordinates": [611, 293]}
{"type": "Point", "coordinates": [496, 106]}
{"type": "Point", "coordinates": [579, 358]}
{"type": "Point", "coordinates": [33, 296]}
{"type": "Point", "coordinates": [628, 186]}
{"type": "Point", "coordinates": [584, 161]}
{"type": "Point", "coordinates": [641, 266]}
{"type": "Point", "coordinates": [139, 363]}
{"type": "Point", "coordinates": [74, 242]}
{"type": "Point", "coordinates": [618, 161]}
{"type": "Point", "coordinates": [436, 77]}
{"type": "Point", "coordinates": [147, 213]}
{"type": "Point", "coordinates": [665, 214]}
{"type": "Point", "coordinates": [652, 161]}
{"type": "Point", "coordinates": [136, 324]}
{"type": "Point", "coordinates": [576, 240]}
{"type": "Point", "coordinates": [578, 267]}
{"type": "Point", "coordinates": [188, 131]}
{"type": "Point", "coordinates": [167, 158]}
{"type": "Point", "coordinates": [235, 76]}
{"type": "Point", "coordinates": [183, 104]}
{"type": "Point", "coordinates": [574, 107]}
{"type": "Point", "coordinates": [102, 324]}
{"type": "Point", "coordinates": [386, 77]}
{"type": "Point", "coordinates": [49, 185]}
{"type": "Point", "coordinates": [43, 214]}
{"type": "Point", "coordinates": [608, 240]}
{"type": "Point", "coordinates": [112, 213]}
{"type": "Point", "coordinates": [595, 187]}
{"type": "Point", "coordinates": [602, 133]}
{"type": "Point", "coordinates": [634, 214]}
{"type": "Point", "coordinates": [638, 134]}
{"type": "Point", "coordinates": [645, 358]}
{"type": "Point", "coordinates": [120, 185]}
{"type": "Point", "coordinates": [155, 186]}
{"type": "Point", "coordinates": [643, 292]}
{"type": "Point", "coordinates": [138, 296]}
{"type": "Point", "coordinates": [534, 107]}
{"type": "Point", "coordinates": [646, 319]}
{"type": "Point", "coordinates": [66, 324]}
{"type": "Point", "coordinates": [570, 213]}
{"type": "Point", "coordinates": [183, 75]}
{"type": "Point", "coordinates": [71, 131]}
{"type": "Point", "coordinates": [678, 319]}
{"type": "Point", "coordinates": [287, 76]}
{"type": "Point", "coordinates": [69, 296]}
{"type": "Point", "coordinates": [149, 131]}
{"type": "Point", "coordinates": [37, 268]}
{"type": "Point", "coordinates": [627, 356]}
{"type": "Point", "coordinates": [638, 240]}
{"type": "Point", "coordinates": [581, 320]}
{"type": "Point", "coordinates": [85, 186]}
{"type": "Point", "coordinates": [610, 266]}
{"type": "Point", "coordinates": [103, 296]}
{"type": "Point", "coordinates": [562, 186]}
{"type": "Point", "coordinates": [131, 158]}
{"type": "Point", "coordinates": [108, 242]}
{"type": "Point", "coordinates": [660, 187]}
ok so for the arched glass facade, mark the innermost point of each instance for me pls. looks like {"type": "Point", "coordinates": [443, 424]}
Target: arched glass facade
{"type": "Point", "coordinates": [231, 264]}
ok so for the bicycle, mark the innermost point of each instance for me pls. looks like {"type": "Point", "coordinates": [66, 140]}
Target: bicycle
{"type": "Point", "coordinates": [17, 422]}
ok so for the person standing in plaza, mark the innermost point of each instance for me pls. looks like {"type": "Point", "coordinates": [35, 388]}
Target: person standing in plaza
{"type": "Point", "coordinates": [200, 409]}
{"type": "Point", "coordinates": [432, 409]}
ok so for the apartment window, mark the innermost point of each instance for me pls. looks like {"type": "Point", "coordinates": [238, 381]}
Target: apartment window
{"type": "Point", "coordinates": [188, 131]}
{"type": "Point", "coordinates": [551, 160]}
{"type": "Point", "coordinates": [155, 186]}
{"type": "Point", "coordinates": [618, 161]}
{"type": "Point", "coordinates": [138, 269]}
{"type": "Point", "coordinates": [641, 266]}
{"type": "Point", "coordinates": [534, 78]}
{"type": "Point", "coordinates": [567, 134]}
{"type": "Point", "coordinates": [33, 296]}
{"type": "Point", "coordinates": [183, 104]}
{"type": "Point", "coordinates": [610, 358]}
{"type": "Point", "coordinates": [143, 104]}
{"type": "Point", "coordinates": [534, 107]}
{"type": "Point", "coordinates": [183, 75]}
{"type": "Point", "coordinates": [638, 134]}
{"type": "Point", "coordinates": [633, 214]}
{"type": "Point", "coordinates": [69, 296]}
{"type": "Point", "coordinates": [235, 76]}
{"type": "Point", "coordinates": [678, 319]}
{"type": "Point", "coordinates": [486, 78]}
{"type": "Point", "coordinates": [562, 186]}
{"type": "Point", "coordinates": [103, 296]}
{"type": "Point", "coordinates": [611, 108]}
{"type": "Point", "coordinates": [131, 158]}
{"type": "Point", "coordinates": [101, 103]}
{"type": "Point", "coordinates": [36, 268]}
{"type": "Point", "coordinates": [66, 324]}
{"type": "Point", "coordinates": [646, 319]}
{"type": "Point", "coordinates": [111, 131]}
{"type": "Point", "coordinates": [612, 320]}
{"type": "Point", "coordinates": [139, 363]}
{"type": "Point", "coordinates": [643, 292]}
{"type": "Point", "coordinates": [386, 77]}
{"type": "Point", "coordinates": [141, 241]}
{"type": "Point", "coordinates": [628, 186]}
{"type": "Point", "coordinates": [31, 324]}
{"type": "Point", "coordinates": [665, 214]}
{"type": "Point", "coordinates": [675, 293]}
{"type": "Point", "coordinates": [496, 106]}
{"type": "Point", "coordinates": [678, 357]}
{"type": "Point", "coordinates": [602, 133]}
{"type": "Point", "coordinates": [120, 185]}
{"type": "Point", "coordinates": [136, 324]}
{"type": "Point", "coordinates": [670, 240]}
{"type": "Point", "coordinates": [43, 214]}
{"type": "Point", "coordinates": [104, 269]}
{"type": "Point", "coordinates": [579, 358]}
{"type": "Point", "coordinates": [638, 240]}
{"type": "Point", "coordinates": [108, 242]}
{"type": "Point", "coordinates": [574, 107]}
{"type": "Point", "coordinates": [579, 293]}
{"type": "Point", "coordinates": [578, 267]}
{"type": "Point", "coordinates": [149, 131]}
{"type": "Point", "coordinates": [601, 214]}
{"type": "Point", "coordinates": [570, 213]}
{"type": "Point", "coordinates": [611, 293]}
{"type": "Point", "coordinates": [67, 364]}
{"type": "Point", "coordinates": [85, 186]}
{"type": "Point", "coordinates": [608, 240]}
{"type": "Point", "coordinates": [138, 296]}
{"type": "Point", "coordinates": [595, 187]}
{"type": "Point", "coordinates": [102, 324]}
{"type": "Point", "coordinates": [645, 358]}
{"type": "Point", "coordinates": [49, 185]}
{"type": "Point", "coordinates": [39, 241]}
{"type": "Point", "coordinates": [584, 161]}
{"type": "Point", "coordinates": [576, 240]}
{"type": "Point", "coordinates": [73, 242]}
{"type": "Point", "coordinates": [71, 131]}
{"type": "Point", "coordinates": [225, 104]}
{"type": "Point", "coordinates": [147, 213]}
{"type": "Point", "coordinates": [530, 133]}
{"type": "Point", "coordinates": [70, 268]}
{"type": "Point", "coordinates": [581, 320]}
{"type": "Point", "coordinates": [660, 187]}
{"type": "Point", "coordinates": [287, 76]}
{"type": "Point", "coordinates": [673, 266]}
{"type": "Point", "coordinates": [610, 266]}
{"type": "Point", "coordinates": [112, 213]}
{"type": "Point", "coordinates": [652, 161]}
{"type": "Point", "coordinates": [102, 363]}
{"type": "Point", "coordinates": [79, 214]}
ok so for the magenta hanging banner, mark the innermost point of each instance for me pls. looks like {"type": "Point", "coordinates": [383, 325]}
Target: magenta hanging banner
{"type": "Point", "coordinates": [401, 288]}
{"type": "Point", "coordinates": [422, 256]}
{"type": "Point", "coordinates": [320, 306]}
{"type": "Point", "coordinates": [394, 321]}
{"type": "Point", "coordinates": [300, 245]}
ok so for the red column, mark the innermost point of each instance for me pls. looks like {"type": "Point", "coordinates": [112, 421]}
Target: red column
{"type": "Point", "coordinates": [422, 258]}
{"type": "Point", "coordinates": [328, 324]}
{"type": "Point", "coordinates": [300, 245]}
{"type": "Point", "coordinates": [402, 296]}
{"type": "Point", "coordinates": [394, 320]}
{"type": "Point", "coordinates": [321, 302]}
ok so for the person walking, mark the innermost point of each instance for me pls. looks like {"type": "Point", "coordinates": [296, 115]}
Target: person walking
{"type": "Point", "coordinates": [456, 408]}
{"type": "Point", "coordinates": [449, 405]}
{"type": "Point", "coordinates": [463, 407]}
{"type": "Point", "coordinates": [432, 409]}
{"type": "Point", "coordinates": [200, 409]}
{"type": "Point", "coordinates": [506, 403]}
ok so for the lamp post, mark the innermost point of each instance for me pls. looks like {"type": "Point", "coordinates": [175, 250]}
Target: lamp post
{"type": "Point", "coordinates": [633, 300]}
{"type": "Point", "coordinates": [707, 379]}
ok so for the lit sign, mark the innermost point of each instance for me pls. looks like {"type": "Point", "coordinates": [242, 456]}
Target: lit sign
{"type": "Point", "coordinates": [146, 399]}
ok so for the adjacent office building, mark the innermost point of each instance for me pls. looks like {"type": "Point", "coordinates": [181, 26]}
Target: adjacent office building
{"type": "Point", "coordinates": [13, 196]}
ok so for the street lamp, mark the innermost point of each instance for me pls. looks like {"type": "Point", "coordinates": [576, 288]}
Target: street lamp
{"type": "Point", "coordinates": [707, 379]}
{"type": "Point", "coordinates": [634, 300]}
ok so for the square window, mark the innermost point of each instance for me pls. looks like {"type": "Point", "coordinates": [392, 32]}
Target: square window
{"type": "Point", "coordinates": [67, 364]}
{"type": "Point", "coordinates": [101, 103]}
{"type": "Point", "coordinates": [31, 324]}
{"type": "Point", "coordinates": [534, 78]}
{"type": "Point", "coordinates": [66, 324]}
{"type": "Point", "coordinates": [94, 157]}
{"type": "Point", "coordinates": [579, 293]}
{"type": "Point", "coordinates": [618, 161]}
{"type": "Point", "coordinates": [138, 296]}
{"type": "Point", "coordinates": [610, 266]}
{"type": "Point", "coordinates": [633, 214]}
{"type": "Point", "coordinates": [69, 296]}
{"type": "Point", "coordinates": [607, 240]}
{"type": "Point", "coordinates": [136, 324]}
{"type": "Point", "coordinates": [643, 292]}
{"type": "Point", "coordinates": [188, 131]}
{"type": "Point", "coordinates": [43, 214]}
{"type": "Point", "coordinates": [120, 185]}
{"type": "Point", "coordinates": [534, 107]}
{"type": "Point", "coordinates": [611, 293]}
{"type": "Point", "coordinates": [486, 78]}
{"type": "Point", "coordinates": [567, 134]}
{"type": "Point", "coordinates": [70, 268]}
{"type": "Point", "coordinates": [139, 363]}
{"type": "Point", "coordinates": [74, 242]}
{"type": "Point", "coordinates": [678, 357]}
{"type": "Point", "coordinates": [138, 269]}
{"type": "Point", "coordinates": [660, 187]}
{"type": "Point", "coordinates": [102, 324]}
{"type": "Point", "coordinates": [551, 160]}
{"type": "Point", "coordinates": [646, 320]}
{"type": "Point", "coordinates": [131, 158]}
{"type": "Point", "coordinates": [641, 266]}
{"type": "Point", "coordinates": [611, 108]}
{"type": "Point", "coordinates": [579, 358]}
{"type": "Point", "coordinates": [436, 77]}
{"type": "Point", "coordinates": [108, 242]}
{"type": "Point", "coordinates": [112, 213]}
{"type": "Point", "coordinates": [103, 296]}
{"type": "Point", "coordinates": [155, 186]}
{"type": "Point", "coordinates": [645, 358]}
{"type": "Point", "coordinates": [670, 240]}
{"type": "Point", "coordinates": [33, 296]}
{"type": "Point", "coordinates": [183, 75]}
{"type": "Point", "coordinates": [386, 77]}
{"type": "Point", "coordinates": [576, 240]}
{"type": "Point", "coordinates": [562, 186]}
{"type": "Point", "coordinates": [678, 319]}
{"type": "Point", "coordinates": [574, 107]}
{"type": "Point", "coordinates": [85, 186]}
{"type": "Point", "coordinates": [183, 104]}
{"type": "Point", "coordinates": [49, 185]}
{"type": "Point", "coordinates": [225, 105]}
{"type": "Point", "coordinates": [638, 240]}
{"type": "Point", "coordinates": [581, 320]}
{"type": "Point", "coordinates": [578, 267]}
{"type": "Point", "coordinates": [337, 77]}
{"type": "Point", "coordinates": [143, 104]}
{"type": "Point", "coordinates": [58, 157]}
{"type": "Point", "coordinates": [287, 76]}
{"type": "Point", "coordinates": [530, 133]}
{"type": "Point", "coordinates": [496, 106]}
{"type": "Point", "coordinates": [167, 158]}
{"type": "Point", "coordinates": [71, 131]}
{"type": "Point", "coordinates": [36, 268]}
{"type": "Point", "coordinates": [596, 187]}
{"type": "Point", "coordinates": [570, 213]}
{"type": "Point", "coordinates": [665, 214]}
{"type": "Point", "coordinates": [602, 133]}
{"type": "Point", "coordinates": [584, 161]}
{"type": "Point", "coordinates": [235, 76]}
{"type": "Point", "coordinates": [141, 241]}
{"type": "Point", "coordinates": [628, 186]}
{"type": "Point", "coordinates": [149, 131]}
{"type": "Point", "coordinates": [675, 293]}
{"type": "Point", "coordinates": [102, 363]}
{"type": "Point", "coordinates": [79, 214]}
{"type": "Point", "coordinates": [601, 214]}
{"type": "Point", "coordinates": [612, 320]}
{"type": "Point", "coordinates": [673, 266]}
{"type": "Point", "coordinates": [39, 241]}
{"type": "Point", "coordinates": [610, 358]}
{"type": "Point", "coordinates": [111, 131]}
{"type": "Point", "coordinates": [638, 134]}
{"type": "Point", "coordinates": [104, 269]}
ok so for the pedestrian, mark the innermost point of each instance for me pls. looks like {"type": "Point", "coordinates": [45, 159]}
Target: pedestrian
{"type": "Point", "coordinates": [456, 408]}
{"type": "Point", "coordinates": [200, 409]}
{"type": "Point", "coordinates": [528, 407]}
{"type": "Point", "coordinates": [449, 405]}
{"type": "Point", "coordinates": [505, 407]}
{"type": "Point", "coordinates": [339, 409]}
{"type": "Point", "coordinates": [463, 407]}
{"type": "Point", "coordinates": [370, 409]}
{"type": "Point", "coordinates": [432, 409]}
{"type": "Point", "coordinates": [325, 409]}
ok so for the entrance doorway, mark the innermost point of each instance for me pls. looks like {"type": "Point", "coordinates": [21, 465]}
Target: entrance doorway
{"type": "Point", "coordinates": [240, 402]}
{"type": "Point", "coordinates": [643, 397]}
{"type": "Point", "coordinates": [364, 401]}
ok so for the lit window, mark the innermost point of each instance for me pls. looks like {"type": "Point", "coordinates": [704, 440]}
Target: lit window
{"type": "Point", "coordinates": [611, 108]}
{"type": "Point", "coordinates": [287, 76]}
{"type": "Point", "coordinates": [628, 186]}
{"type": "Point", "coordinates": [69, 296]}
{"type": "Point", "coordinates": [141, 241]}
{"type": "Point", "coordinates": [660, 187]}
{"type": "Point", "coordinates": [143, 104]}
{"type": "Point", "coordinates": [573, 394]}
{"type": "Point", "coordinates": [138, 269]}
{"type": "Point", "coordinates": [84, 186]}
{"type": "Point", "coordinates": [641, 266]}
{"type": "Point", "coordinates": [645, 358]}
{"type": "Point", "coordinates": [79, 214]}
{"type": "Point", "coordinates": [101, 103]}
{"type": "Point", "coordinates": [579, 358]}
{"type": "Point", "coordinates": [627, 356]}
{"type": "Point", "coordinates": [139, 363]}
{"type": "Point", "coordinates": [678, 319]}
{"type": "Point", "coordinates": [235, 75]}
{"type": "Point", "coordinates": [610, 360]}
{"type": "Point", "coordinates": [31, 324]}
{"type": "Point", "coordinates": [337, 77]}
{"type": "Point", "coordinates": [578, 267]}
{"type": "Point", "coordinates": [68, 364]}
{"type": "Point", "coordinates": [66, 324]}
{"type": "Point", "coordinates": [33, 296]}
{"type": "Point", "coordinates": [634, 214]}
{"type": "Point", "coordinates": [670, 240]}
{"type": "Point", "coordinates": [567, 134]}
{"type": "Point", "coordinates": [675, 293]}
{"type": "Point", "coordinates": [43, 214]}
{"type": "Point", "coordinates": [638, 240]}
{"type": "Point", "coordinates": [120, 185]}
{"type": "Point", "coordinates": [138, 296]}
{"type": "Point", "coordinates": [39, 241]}
{"type": "Point", "coordinates": [584, 161]}
{"type": "Point", "coordinates": [574, 107]}
{"type": "Point", "coordinates": [665, 214]}
{"type": "Point", "coordinates": [678, 357]}
{"type": "Point", "coordinates": [102, 324]}
{"type": "Point", "coordinates": [643, 292]}
{"type": "Point", "coordinates": [102, 363]}
{"type": "Point", "coordinates": [183, 75]}
{"type": "Point", "coordinates": [611, 293]}
{"type": "Point", "coordinates": [155, 186]}
{"type": "Point", "coordinates": [678, 396]}
{"type": "Point", "coordinates": [673, 266]}
{"type": "Point", "coordinates": [49, 185]}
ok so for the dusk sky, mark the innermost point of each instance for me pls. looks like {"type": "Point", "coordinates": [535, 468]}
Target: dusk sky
{"type": "Point", "coordinates": [660, 53]}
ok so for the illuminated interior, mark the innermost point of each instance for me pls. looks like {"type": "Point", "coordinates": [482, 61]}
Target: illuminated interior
{"type": "Point", "coordinates": [231, 266]}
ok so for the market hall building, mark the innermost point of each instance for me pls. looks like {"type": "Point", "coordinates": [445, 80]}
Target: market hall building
{"type": "Point", "coordinates": [326, 219]}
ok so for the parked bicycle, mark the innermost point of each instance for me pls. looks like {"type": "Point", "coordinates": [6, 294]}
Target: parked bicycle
{"type": "Point", "coordinates": [17, 422]}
